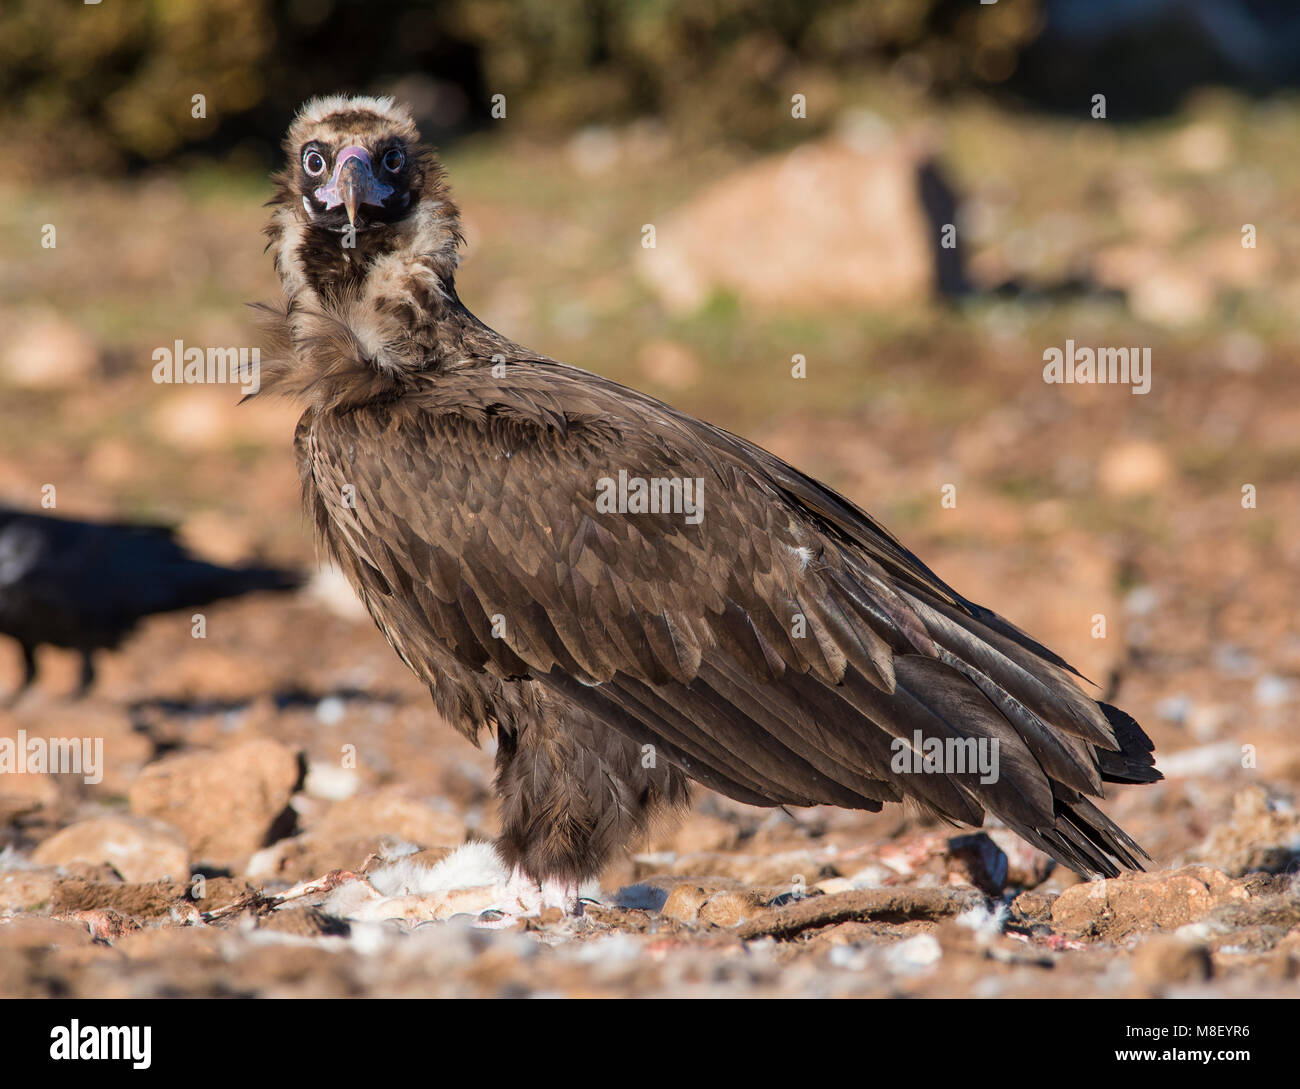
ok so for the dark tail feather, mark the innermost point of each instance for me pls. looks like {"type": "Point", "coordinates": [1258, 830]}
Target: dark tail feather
{"type": "Point", "coordinates": [1085, 840]}
{"type": "Point", "coordinates": [1135, 762]}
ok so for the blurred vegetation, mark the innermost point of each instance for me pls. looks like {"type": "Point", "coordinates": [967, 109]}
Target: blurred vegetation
{"type": "Point", "coordinates": [111, 84]}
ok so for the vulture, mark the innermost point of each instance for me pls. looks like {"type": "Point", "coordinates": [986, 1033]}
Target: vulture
{"type": "Point", "coordinates": [627, 597]}
{"type": "Point", "coordinates": [85, 585]}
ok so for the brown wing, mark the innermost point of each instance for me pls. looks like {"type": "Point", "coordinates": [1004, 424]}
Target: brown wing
{"type": "Point", "coordinates": [774, 651]}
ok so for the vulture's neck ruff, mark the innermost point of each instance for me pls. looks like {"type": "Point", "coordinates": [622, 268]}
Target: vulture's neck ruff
{"type": "Point", "coordinates": [366, 242]}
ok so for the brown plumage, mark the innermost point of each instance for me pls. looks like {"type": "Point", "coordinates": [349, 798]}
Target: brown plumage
{"type": "Point", "coordinates": [781, 649]}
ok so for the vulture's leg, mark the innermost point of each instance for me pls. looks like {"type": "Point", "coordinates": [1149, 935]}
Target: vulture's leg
{"type": "Point", "coordinates": [572, 794]}
{"type": "Point", "coordinates": [29, 674]}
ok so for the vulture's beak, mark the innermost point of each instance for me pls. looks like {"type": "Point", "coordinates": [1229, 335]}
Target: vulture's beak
{"type": "Point", "coordinates": [353, 183]}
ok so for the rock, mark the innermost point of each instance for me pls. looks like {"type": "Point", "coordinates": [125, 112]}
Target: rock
{"type": "Point", "coordinates": [226, 803]}
{"type": "Point", "coordinates": [193, 417]}
{"type": "Point", "coordinates": [26, 792]}
{"type": "Point", "coordinates": [105, 924]}
{"type": "Point", "coordinates": [668, 363]}
{"type": "Point", "coordinates": [1167, 958]}
{"type": "Point", "coordinates": [218, 536]}
{"type": "Point", "coordinates": [698, 832]}
{"type": "Point", "coordinates": [389, 812]}
{"type": "Point", "coordinates": [1033, 907]}
{"type": "Point", "coordinates": [113, 461]}
{"type": "Point", "coordinates": [977, 860]}
{"type": "Point", "coordinates": [1172, 297]}
{"type": "Point", "coordinates": [26, 890]}
{"type": "Point", "coordinates": [305, 922]}
{"type": "Point", "coordinates": [825, 225]}
{"type": "Point", "coordinates": [893, 904]}
{"type": "Point", "coordinates": [1263, 836]}
{"type": "Point", "coordinates": [46, 351]}
{"type": "Point", "coordinates": [304, 857]}
{"type": "Point", "coordinates": [651, 894]}
{"type": "Point", "coordinates": [1203, 146]}
{"type": "Point", "coordinates": [684, 902]}
{"type": "Point", "coordinates": [139, 848]}
{"type": "Point", "coordinates": [197, 947]}
{"type": "Point", "coordinates": [1116, 907]}
{"type": "Point", "coordinates": [201, 672]}
{"type": "Point", "coordinates": [38, 932]}
{"type": "Point", "coordinates": [155, 900]}
{"type": "Point", "coordinates": [1135, 467]}
{"type": "Point", "coordinates": [731, 907]}
{"type": "Point", "coordinates": [100, 872]}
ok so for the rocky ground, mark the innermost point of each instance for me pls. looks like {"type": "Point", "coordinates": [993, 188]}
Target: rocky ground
{"type": "Point", "coordinates": [280, 812]}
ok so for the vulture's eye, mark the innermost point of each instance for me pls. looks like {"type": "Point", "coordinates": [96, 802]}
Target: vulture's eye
{"type": "Point", "coordinates": [314, 163]}
{"type": "Point", "coordinates": [393, 160]}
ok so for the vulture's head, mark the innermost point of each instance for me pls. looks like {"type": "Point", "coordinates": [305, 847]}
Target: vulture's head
{"type": "Point", "coordinates": [366, 241]}
{"type": "Point", "coordinates": [354, 161]}
{"type": "Point", "coordinates": [358, 185]}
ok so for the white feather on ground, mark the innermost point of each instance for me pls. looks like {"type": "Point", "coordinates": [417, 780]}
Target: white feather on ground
{"type": "Point", "coordinates": [470, 866]}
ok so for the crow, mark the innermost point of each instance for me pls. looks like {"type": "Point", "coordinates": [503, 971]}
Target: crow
{"type": "Point", "coordinates": [85, 585]}
{"type": "Point", "coordinates": [628, 597]}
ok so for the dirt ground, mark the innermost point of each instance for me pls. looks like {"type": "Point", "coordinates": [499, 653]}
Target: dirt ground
{"type": "Point", "coordinates": [281, 812]}
{"type": "Point", "coordinates": [290, 753]}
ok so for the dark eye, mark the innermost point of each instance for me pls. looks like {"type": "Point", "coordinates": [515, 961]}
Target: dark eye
{"type": "Point", "coordinates": [314, 163]}
{"type": "Point", "coordinates": [393, 160]}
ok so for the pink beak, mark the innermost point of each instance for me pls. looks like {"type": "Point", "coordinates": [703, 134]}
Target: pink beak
{"type": "Point", "coordinates": [353, 183]}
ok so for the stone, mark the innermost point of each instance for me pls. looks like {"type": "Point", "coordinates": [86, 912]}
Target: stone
{"type": "Point", "coordinates": [154, 900]}
{"type": "Point", "coordinates": [668, 363]}
{"type": "Point", "coordinates": [1033, 907]}
{"type": "Point", "coordinates": [301, 858]}
{"type": "Point", "coordinates": [828, 224]}
{"type": "Point", "coordinates": [389, 812]}
{"type": "Point", "coordinates": [684, 902]}
{"type": "Point", "coordinates": [26, 890]}
{"type": "Point", "coordinates": [105, 924]}
{"type": "Point", "coordinates": [46, 351]}
{"type": "Point", "coordinates": [698, 832]}
{"type": "Point", "coordinates": [1167, 958]}
{"type": "Point", "coordinates": [1135, 467]}
{"type": "Point", "coordinates": [26, 792]}
{"type": "Point", "coordinates": [140, 849]}
{"type": "Point", "coordinates": [1262, 837]}
{"type": "Point", "coordinates": [226, 803]}
{"type": "Point", "coordinates": [39, 932]}
{"type": "Point", "coordinates": [1113, 908]}
{"type": "Point", "coordinates": [730, 907]}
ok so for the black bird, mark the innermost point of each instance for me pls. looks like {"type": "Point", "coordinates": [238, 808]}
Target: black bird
{"type": "Point", "coordinates": [628, 596]}
{"type": "Point", "coordinates": [85, 585]}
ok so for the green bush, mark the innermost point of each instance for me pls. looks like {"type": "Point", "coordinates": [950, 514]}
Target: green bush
{"type": "Point", "coordinates": [110, 84]}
